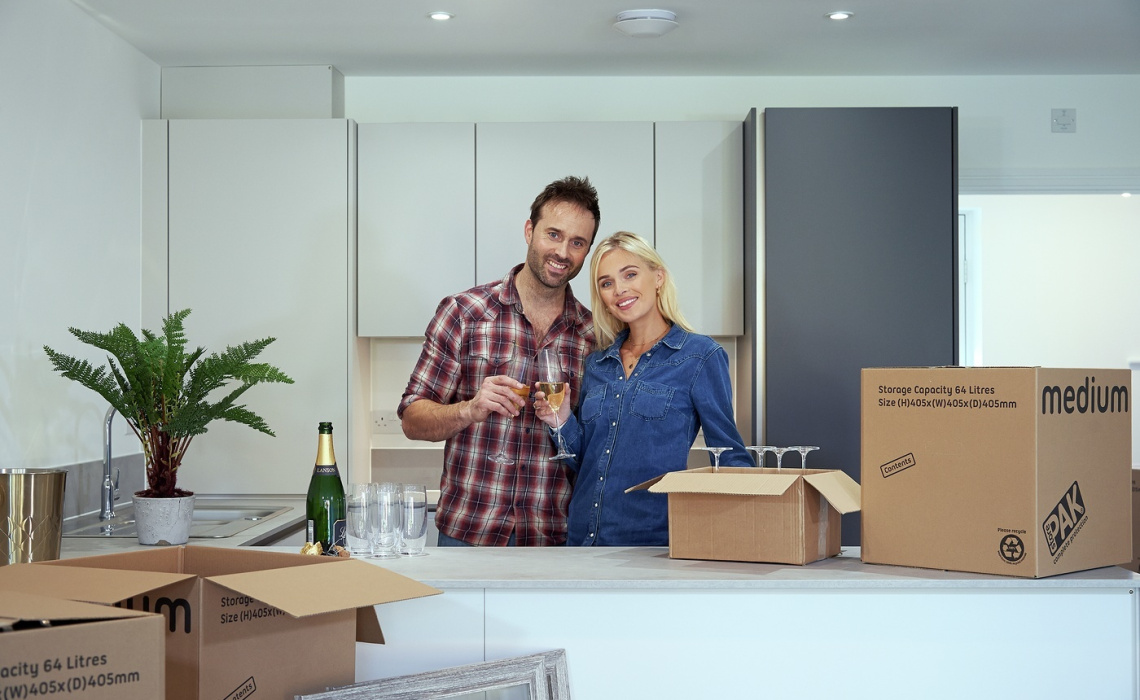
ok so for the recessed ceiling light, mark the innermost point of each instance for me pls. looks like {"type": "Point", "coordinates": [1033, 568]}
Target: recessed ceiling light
{"type": "Point", "coordinates": [840, 14]}
{"type": "Point", "coordinates": [441, 16]}
{"type": "Point", "coordinates": [645, 24]}
{"type": "Point", "coordinates": [1125, 194]}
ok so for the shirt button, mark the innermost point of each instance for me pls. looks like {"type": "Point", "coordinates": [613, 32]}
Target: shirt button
{"type": "Point", "coordinates": [617, 396]}
{"type": "Point", "coordinates": [601, 478]}
{"type": "Point", "coordinates": [595, 505]}
{"type": "Point", "coordinates": [614, 423]}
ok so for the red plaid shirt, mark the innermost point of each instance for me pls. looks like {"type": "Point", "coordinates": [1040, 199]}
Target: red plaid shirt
{"type": "Point", "coordinates": [476, 334]}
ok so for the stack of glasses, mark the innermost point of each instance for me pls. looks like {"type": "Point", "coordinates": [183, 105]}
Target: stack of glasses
{"type": "Point", "coordinates": [387, 520]}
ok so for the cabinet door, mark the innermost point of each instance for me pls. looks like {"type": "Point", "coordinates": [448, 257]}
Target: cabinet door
{"type": "Point", "coordinates": [700, 220]}
{"type": "Point", "coordinates": [258, 246]}
{"type": "Point", "coordinates": [860, 265]}
{"type": "Point", "coordinates": [416, 223]}
{"type": "Point", "coordinates": [516, 161]}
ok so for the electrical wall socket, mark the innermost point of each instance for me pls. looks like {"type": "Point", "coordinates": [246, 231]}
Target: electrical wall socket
{"type": "Point", "coordinates": [386, 422]}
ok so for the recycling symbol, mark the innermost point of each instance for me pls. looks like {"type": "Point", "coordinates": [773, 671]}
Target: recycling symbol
{"type": "Point", "coordinates": [1012, 549]}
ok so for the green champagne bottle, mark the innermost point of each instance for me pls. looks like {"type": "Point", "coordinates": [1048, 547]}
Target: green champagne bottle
{"type": "Point", "coordinates": [324, 506]}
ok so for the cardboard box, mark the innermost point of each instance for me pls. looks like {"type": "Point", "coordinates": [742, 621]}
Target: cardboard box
{"type": "Point", "coordinates": [785, 516]}
{"type": "Point", "coordinates": [1021, 471]}
{"type": "Point", "coordinates": [1135, 565]}
{"type": "Point", "coordinates": [238, 622]}
{"type": "Point", "coordinates": [61, 648]}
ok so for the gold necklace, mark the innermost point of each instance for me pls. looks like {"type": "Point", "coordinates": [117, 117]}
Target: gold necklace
{"type": "Point", "coordinates": [628, 347]}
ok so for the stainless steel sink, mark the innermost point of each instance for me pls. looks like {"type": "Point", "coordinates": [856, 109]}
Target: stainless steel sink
{"type": "Point", "coordinates": [211, 520]}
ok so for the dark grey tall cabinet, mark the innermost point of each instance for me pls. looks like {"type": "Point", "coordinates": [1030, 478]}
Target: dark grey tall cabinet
{"type": "Point", "coordinates": [860, 266]}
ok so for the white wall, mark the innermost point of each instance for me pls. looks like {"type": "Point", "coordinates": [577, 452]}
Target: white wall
{"type": "Point", "coordinates": [71, 97]}
{"type": "Point", "coordinates": [1004, 122]}
{"type": "Point", "coordinates": [1059, 279]}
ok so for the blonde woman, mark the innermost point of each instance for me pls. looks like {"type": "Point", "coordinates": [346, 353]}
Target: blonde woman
{"type": "Point", "coordinates": [647, 390]}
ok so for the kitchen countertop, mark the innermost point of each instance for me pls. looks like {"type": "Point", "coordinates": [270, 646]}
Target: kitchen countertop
{"type": "Point", "coordinates": [89, 546]}
{"type": "Point", "coordinates": [615, 567]}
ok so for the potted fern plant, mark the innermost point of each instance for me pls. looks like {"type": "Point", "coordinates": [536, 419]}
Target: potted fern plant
{"type": "Point", "coordinates": [167, 396]}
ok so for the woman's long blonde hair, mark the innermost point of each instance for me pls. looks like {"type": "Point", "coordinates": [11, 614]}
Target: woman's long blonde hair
{"type": "Point", "coordinates": [606, 326]}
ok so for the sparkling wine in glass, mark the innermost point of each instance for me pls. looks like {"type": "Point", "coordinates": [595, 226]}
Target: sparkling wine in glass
{"type": "Point", "coordinates": [552, 382]}
{"type": "Point", "coordinates": [516, 369]}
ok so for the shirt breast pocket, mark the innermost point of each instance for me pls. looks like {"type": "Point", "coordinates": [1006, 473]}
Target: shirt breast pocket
{"type": "Point", "coordinates": [651, 401]}
{"type": "Point", "coordinates": [591, 408]}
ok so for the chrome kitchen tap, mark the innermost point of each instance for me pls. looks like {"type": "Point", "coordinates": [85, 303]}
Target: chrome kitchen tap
{"type": "Point", "coordinates": [110, 483]}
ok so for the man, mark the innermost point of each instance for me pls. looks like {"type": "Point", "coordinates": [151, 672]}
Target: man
{"type": "Point", "coordinates": [480, 345]}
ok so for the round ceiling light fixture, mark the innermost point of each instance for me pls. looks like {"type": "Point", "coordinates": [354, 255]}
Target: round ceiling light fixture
{"type": "Point", "coordinates": [840, 15]}
{"type": "Point", "coordinates": [645, 24]}
{"type": "Point", "coordinates": [440, 16]}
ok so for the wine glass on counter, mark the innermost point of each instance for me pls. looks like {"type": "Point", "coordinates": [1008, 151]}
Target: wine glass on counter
{"type": "Point", "coordinates": [803, 450]}
{"type": "Point", "coordinates": [552, 382]}
{"type": "Point", "coordinates": [515, 368]}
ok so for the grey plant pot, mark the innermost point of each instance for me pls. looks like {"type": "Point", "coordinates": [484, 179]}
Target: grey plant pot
{"type": "Point", "coordinates": [164, 521]}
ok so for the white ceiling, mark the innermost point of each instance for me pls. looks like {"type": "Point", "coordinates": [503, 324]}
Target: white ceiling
{"type": "Point", "coordinates": [575, 37]}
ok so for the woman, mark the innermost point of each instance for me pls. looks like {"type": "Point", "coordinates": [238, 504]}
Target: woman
{"type": "Point", "coordinates": [647, 390]}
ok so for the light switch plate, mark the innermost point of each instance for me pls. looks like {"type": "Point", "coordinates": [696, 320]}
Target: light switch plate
{"type": "Point", "coordinates": [1064, 121]}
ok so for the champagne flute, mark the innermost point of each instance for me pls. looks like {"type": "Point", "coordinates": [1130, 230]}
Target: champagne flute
{"type": "Point", "coordinates": [780, 456]}
{"type": "Point", "coordinates": [760, 451]}
{"type": "Point", "coordinates": [716, 455]}
{"type": "Point", "coordinates": [552, 382]}
{"type": "Point", "coordinates": [516, 369]}
{"type": "Point", "coordinates": [803, 450]}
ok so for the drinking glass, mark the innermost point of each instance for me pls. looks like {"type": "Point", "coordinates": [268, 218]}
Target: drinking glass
{"type": "Point", "coordinates": [716, 455]}
{"type": "Point", "coordinates": [386, 520]}
{"type": "Point", "coordinates": [780, 455]}
{"type": "Point", "coordinates": [358, 534]}
{"type": "Point", "coordinates": [515, 368]}
{"type": "Point", "coordinates": [552, 382]}
{"type": "Point", "coordinates": [413, 523]}
{"type": "Point", "coordinates": [803, 450]}
{"type": "Point", "coordinates": [760, 451]}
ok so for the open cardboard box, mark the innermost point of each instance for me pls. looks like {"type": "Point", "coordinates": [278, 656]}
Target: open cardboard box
{"type": "Point", "coordinates": [782, 516]}
{"type": "Point", "coordinates": [1019, 471]}
{"type": "Point", "coordinates": [51, 647]}
{"type": "Point", "coordinates": [238, 622]}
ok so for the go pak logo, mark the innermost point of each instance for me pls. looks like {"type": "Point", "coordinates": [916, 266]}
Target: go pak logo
{"type": "Point", "coordinates": [1065, 520]}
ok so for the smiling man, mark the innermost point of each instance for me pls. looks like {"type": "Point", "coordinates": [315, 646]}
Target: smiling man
{"type": "Point", "coordinates": [499, 484]}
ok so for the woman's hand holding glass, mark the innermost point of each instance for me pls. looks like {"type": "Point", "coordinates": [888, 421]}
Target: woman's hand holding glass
{"type": "Point", "coordinates": [546, 413]}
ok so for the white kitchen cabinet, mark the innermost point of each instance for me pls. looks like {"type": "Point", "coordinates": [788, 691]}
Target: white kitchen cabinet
{"type": "Point", "coordinates": [258, 235]}
{"type": "Point", "coordinates": [416, 223]}
{"type": "Point", "coordinates": [700, 220]}
{"type": "Point", "coordinates": [443, 207]}
{"type": "Point", "coordinates": [516, 160]}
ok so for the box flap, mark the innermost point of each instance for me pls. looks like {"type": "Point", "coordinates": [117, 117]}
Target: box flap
{"type": "Point", "coordinates": [105, 586]}
{"type": "Point", "coordinates": [730, 481]}
{"type": "Point", "coordinates": [20, 606]}
{"type": "Point", "coordinates": [350, 584]}
{"type": "Point", "coordinates": [840, 490]}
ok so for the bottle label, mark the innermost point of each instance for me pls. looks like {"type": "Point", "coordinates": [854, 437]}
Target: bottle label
{"type": "Point", "coordinates": [339, 531]}
{"type": "Point", "coordinates": [326, 470]}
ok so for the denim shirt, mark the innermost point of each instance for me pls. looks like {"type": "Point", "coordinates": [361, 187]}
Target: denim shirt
{"type": "Point", "coordinates": [627, 431]}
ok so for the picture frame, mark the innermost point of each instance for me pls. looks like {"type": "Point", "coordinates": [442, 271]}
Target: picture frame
{"type": "Point", "coordinates": [542, 676]}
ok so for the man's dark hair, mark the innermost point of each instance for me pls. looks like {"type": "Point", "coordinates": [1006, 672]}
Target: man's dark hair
{"type": "Point", "coordinates": [572, 189]}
